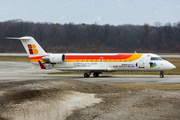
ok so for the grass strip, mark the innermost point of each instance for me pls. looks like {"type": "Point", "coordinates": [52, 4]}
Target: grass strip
{"type": "Point", "coordinates": [14, 58]}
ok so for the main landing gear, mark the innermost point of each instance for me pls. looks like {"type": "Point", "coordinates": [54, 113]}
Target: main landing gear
{"type": "Point", "coordinates": [87, 75]}
{"type": "Point", "coordinates": [161, 74]}
{"type": "Point", "coordinates": [95, 74]}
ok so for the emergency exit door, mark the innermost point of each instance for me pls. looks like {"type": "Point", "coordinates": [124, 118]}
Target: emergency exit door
{"type": "Point", "coordinates": [141, 63]}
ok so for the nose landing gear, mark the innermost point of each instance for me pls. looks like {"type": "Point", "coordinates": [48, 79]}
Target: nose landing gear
{"type": "Point", "coordinates": [161, 74]}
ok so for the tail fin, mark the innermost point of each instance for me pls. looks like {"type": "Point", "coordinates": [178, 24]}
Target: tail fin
{"type": "Point", "coordinates": [33, 49]}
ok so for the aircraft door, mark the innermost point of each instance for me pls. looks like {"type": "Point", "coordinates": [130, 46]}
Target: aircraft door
{"type": "Point", "coordinates": [101, 60]}
{"type": "Point", "coordinates": [141, 63]}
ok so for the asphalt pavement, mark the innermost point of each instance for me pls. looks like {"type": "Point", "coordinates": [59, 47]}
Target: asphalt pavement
{"type": "Point", "coordinates": [21, 71]}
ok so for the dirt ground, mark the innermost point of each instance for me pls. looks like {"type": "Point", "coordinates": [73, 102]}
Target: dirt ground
{"type": "Point", "coordinates": [75, 100]}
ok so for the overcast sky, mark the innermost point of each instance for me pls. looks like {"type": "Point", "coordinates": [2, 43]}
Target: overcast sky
{"type": "Point", "coordinates": [113, 12]}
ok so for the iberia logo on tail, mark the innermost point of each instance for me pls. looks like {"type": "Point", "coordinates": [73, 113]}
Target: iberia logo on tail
{"type": "Point", "coordinates": [32, 49]}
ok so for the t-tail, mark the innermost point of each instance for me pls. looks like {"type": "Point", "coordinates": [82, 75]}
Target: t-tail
{"type": "Point", "coordinates": [33, 49]}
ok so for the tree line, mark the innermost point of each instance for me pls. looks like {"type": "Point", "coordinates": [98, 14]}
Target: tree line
{"type": "Point", "coordinates": [94, 38]}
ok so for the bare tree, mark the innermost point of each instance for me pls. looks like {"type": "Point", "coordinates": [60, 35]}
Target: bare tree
{"type": "Point", "coordinates": [143, 34]}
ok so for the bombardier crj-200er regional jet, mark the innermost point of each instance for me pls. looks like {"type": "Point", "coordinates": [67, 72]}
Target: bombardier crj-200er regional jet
{"type": "Point", "coordinates": [94, 63]}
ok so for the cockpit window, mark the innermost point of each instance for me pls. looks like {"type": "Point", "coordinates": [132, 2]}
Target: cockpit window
{"type": "Point", "coordinates": [156, 58]}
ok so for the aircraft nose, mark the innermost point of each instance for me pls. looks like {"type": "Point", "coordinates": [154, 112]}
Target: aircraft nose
{"type": "Point", "coordinates": [173, 66]}
{"type": "Point", "coordinates": [170, 66]}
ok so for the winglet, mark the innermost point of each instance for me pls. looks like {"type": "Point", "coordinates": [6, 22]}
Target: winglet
{"type": "Point", "coordinates": [42, 66]}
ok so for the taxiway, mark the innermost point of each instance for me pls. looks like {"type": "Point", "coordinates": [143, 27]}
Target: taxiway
{"type": "Point", "coordinates": [20, 71]}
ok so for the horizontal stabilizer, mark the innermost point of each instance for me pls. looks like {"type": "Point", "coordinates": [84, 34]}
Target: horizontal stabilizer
{"type": "Point", "coordinates": [19, 38]}
{"type": "Point", "coordinates": [12, 38]}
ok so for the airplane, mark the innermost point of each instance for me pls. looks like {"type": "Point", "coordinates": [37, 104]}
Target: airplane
{"type": "Point", "coordinates": [93, 63]}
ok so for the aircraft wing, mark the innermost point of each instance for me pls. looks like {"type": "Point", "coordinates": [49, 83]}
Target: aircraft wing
{"type": "Point", "coordinates": [84, 69]}
{"type": "Point", "coordinates": [78, 69]}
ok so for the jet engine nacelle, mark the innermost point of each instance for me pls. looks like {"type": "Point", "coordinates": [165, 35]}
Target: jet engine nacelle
{"type": "Point", "coordinates": [55, 58]}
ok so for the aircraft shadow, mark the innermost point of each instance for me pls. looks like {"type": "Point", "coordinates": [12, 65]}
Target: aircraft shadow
{"type": "Point", "coordinates": [117, 76]}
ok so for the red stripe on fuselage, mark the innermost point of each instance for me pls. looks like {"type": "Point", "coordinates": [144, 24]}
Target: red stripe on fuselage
{"type": "Point", "coordinates": [118, 56]}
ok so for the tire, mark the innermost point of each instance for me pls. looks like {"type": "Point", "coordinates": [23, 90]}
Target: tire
{"type": "Point", "coordinates": [96, 74]}
{"type": "Point", "coordinates": [86, 75]}
{"type": "Point", "coordinates": [161, 76]}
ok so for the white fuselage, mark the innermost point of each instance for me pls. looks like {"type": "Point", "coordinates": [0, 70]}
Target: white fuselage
{"type": "Point", "coordinates": [146, 62]}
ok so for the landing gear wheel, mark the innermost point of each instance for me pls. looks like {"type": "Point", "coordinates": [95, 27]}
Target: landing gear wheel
{"type": "Point", "coordinates": [86, 75]}
{"type": "Point", "coordinates": [96, 74]}
{"type": "Point", "coordinates": [161, 74]}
